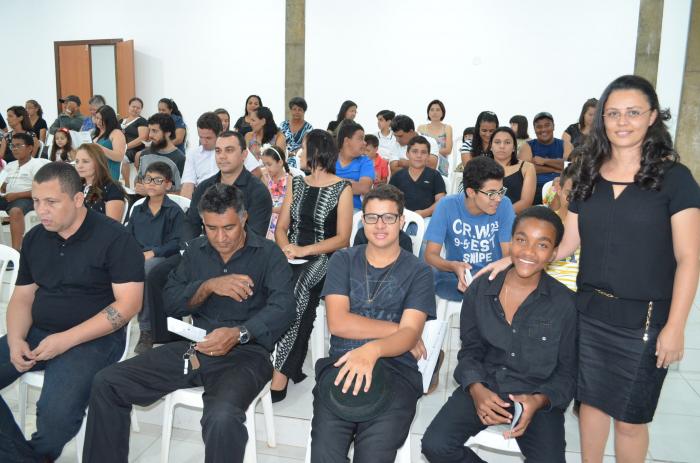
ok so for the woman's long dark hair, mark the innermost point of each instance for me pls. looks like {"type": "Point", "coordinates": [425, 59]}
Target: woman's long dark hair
{"type": "Point", "coordinates": [657, 146]}
{"type": "Point", "coordinates": [321, 150]}
{"type": "Point", "coordinates": [172, 106]}
{"type": "Point", "coordinates": [514, 155]}
{"type": "Point", "coordinates": [270, 129]}
{"type": "Point", "coordinates": [109, 121]}
{"type": "Point", "coordinates": [245, 108]}
{"type": "Point", "coordinates": [590, 103]}
{"type": "Point", "coordinates": [477, 146]}
{"type": "Point", "coordinates": [347, 104]}
{"type": "Point", "coordinates": [19, 111]}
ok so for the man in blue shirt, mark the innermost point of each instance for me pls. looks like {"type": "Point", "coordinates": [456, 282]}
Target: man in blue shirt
{"type": "Point", "coordinates": [351, 164]}
{"type": "Point", "coordinates": [474, 228]}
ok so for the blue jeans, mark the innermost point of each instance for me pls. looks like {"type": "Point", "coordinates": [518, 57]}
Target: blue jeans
{"type": "Point", "coordinates": [446, 286]}
{"type": "Point", "coordinates": [64, 396]}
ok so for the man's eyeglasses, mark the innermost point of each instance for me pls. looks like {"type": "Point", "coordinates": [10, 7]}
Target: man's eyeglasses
{"type": "Point", "coordinates": [157, 180]}
{"type": "Point", "coordinates": [17, 147]}
{"type": "Point", "coordinates": [494, 194]}
{"type": "Point", "coordinates": [387, 218]}
{"type": "Point", "coordinates": [632, 114]}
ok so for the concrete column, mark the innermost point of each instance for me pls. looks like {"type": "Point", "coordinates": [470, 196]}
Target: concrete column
{"type": "Point", "coordinates": [688, 128]}
{"type": "Point", "coordinates": [294, 43]}
{"type": "Point", "coordinates": [646, 63]}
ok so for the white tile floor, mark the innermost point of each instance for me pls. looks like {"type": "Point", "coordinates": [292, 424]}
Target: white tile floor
{"type": "Point", "coordinates": [674, 432]}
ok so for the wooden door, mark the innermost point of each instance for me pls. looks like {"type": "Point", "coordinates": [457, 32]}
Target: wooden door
{"type": "Point", "coordinates": [126, 86]}
{"type": "Point", "coordinates": [75, 75]}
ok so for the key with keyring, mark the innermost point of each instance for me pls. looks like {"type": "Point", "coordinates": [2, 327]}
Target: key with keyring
{"type": "Point", "coordinates": [186, 358]}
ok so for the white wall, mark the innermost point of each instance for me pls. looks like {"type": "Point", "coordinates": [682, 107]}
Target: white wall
{"type": "Point", "coordinates": [203, 54]}
{"type": "Point", "coordinates": [674, 41]}
{"type": "Point", "coordinates": [508, 56]}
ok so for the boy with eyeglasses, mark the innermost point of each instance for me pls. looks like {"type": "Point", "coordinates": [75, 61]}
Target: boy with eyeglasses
{"type": "Point", "coordinates": [156, 224]}
{"type": "Point", "coordinates": [473, 227]}
{"type": "Point", "coordinates": [378, 297]}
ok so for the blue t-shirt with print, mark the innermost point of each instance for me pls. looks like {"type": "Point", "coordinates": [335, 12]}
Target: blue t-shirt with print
{"type": "Point", "coordinates": [361, 166]}
{"type": "Point", "coordinates": [474, 239]}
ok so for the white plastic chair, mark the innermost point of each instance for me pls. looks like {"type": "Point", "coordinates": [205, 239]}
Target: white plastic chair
{"type": "Point", "coordinates": [296, 172]}
{"type": "Point", "coordinates": [7, 255]}
{"type": "Point", "coordinates": [36, 379]}
{"type": "Point", "coordinates": [492, 438]}
{"type": "Point", "coordinates": [31, 219]}
{"type": "Point", "coordinates": [433, 336]}
{"type": "Point", "coordinates": [192, 397]}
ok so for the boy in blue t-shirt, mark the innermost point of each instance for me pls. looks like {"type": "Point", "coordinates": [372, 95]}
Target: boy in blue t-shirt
{"type": "Point", "coordinates": [474, 227]}
{"type": "Point", "coordinates": [352, 165]}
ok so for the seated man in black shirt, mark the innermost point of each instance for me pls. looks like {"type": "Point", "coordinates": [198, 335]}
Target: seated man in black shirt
{"type": "Point", "coordinates": [80, 281]}
{"type": "Point", "coordinates": [518, 345]}
{"type": "Point", "coordinates": [378, 297]}
{"type": "Point", "coordinates": [237, 286]}
{"type": "Point", "coordinates": [230, 155]}
{"type": "Point", "coordinates": [422, 186]}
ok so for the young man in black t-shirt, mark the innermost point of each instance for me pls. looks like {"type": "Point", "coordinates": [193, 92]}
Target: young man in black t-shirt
{"type": "Point", "coordinates": [80, 281]}
{"type": "Point", "coordinates": [421, 185]}
{"type": "Point", "coordinates": [378, 298]}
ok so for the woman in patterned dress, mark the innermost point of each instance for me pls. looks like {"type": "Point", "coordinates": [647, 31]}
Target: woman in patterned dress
{"type": "Point", "coordinates": [315, 221]}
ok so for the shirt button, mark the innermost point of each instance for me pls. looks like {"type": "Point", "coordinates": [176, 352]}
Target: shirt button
{"type": "Point", "coordinates": [225, 270]}
{"type": "Point", "coordinates": [503, 368]}
{"type": "Point", "coordinates": [61, 254]}
{"type": "Point", "coordinates": [512, 354]}
{"type": "Point", "coordinates": [514, 330]}
{"type": "Point", "coordinates": [495, 298]}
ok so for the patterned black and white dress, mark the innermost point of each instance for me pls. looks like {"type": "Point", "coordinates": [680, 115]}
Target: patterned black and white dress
{"type": "Point", "coordinates": [313, 214]}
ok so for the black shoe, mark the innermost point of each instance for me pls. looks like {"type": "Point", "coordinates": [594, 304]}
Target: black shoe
{"type": "Point", "coordinates": [145, 343]}
{"type": "Point", "coordinates": [278, 396]}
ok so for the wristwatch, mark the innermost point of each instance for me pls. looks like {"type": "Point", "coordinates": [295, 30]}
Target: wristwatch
{"type": "Point", "coordinates": [245, 335]}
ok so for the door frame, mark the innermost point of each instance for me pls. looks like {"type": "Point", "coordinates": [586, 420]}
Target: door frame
{"type": "Point", "coordinates": [57, 45]}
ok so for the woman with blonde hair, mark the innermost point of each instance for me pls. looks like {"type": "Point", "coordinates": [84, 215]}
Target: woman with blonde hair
{"type": "Point", "coordinates": [102, 193]}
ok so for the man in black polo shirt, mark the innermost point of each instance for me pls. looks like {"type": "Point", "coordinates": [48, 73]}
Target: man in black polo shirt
{"type": "Point", "coordinates": [237, 285]}
{"type": "Point", "coordinates": [230, 155]}
{"type": "Point", "coordinates": [422, 186]}
{"type": "Point", "coordinates": [80, 281]}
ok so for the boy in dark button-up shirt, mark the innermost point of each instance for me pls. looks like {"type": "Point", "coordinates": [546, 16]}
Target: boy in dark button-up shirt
{"type": "Point", "coordinates": [518, 345]}
{"type": "Point", "coordinates": [238, 287]}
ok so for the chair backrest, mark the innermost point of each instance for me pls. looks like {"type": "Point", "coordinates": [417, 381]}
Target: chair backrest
{"type": "Point", "coordinates": [181, 201]}
{"type": "Point", "coordinates": [356, 224]}
{"type": "Point", "coordinates": [7, 255]}
{"type": "Point", "coordinates": [125, 214]}
{"type": "Point", "coordinates": [417, 239]}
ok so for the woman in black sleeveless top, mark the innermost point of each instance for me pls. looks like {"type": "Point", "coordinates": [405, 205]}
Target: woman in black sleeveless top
{"type": "Point", "coordinates": [521, 178]}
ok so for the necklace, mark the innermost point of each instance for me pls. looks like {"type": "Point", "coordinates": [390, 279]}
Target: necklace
{"type": "Point", "coordinates": [370, 299]}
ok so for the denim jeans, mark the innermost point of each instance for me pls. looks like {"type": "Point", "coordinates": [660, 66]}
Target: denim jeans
{"type": "Point", "coordinates": [446, 286]}
{"type": "Point", "coordinates": [64, 396]}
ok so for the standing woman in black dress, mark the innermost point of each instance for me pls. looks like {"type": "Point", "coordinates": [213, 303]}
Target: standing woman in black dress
{"type": "Point", "coordinates": [635, 211]}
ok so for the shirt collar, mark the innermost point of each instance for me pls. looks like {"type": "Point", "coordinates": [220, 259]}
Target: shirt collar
{"type": "Point", "coordinates": [494, 287]}
{"type": "Point", "coordinates": [240, 182]}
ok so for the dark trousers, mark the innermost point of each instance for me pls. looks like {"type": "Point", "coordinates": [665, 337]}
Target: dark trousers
{"type": "Point", "coordinates": [64, 396]}
{"type": "Point", "coordinates": [376, 441]}
{"type": "Point", "coordinates": [457, 421]}
{"type": "Point", "coordinates": [231, 382]}
{"type": "Point", "coordinates": [155, 282]}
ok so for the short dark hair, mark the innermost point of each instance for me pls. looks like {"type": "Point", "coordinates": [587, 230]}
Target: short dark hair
{"type": "Point", "coordinates": [298, 101]}
{"type": "Point", "coordinates": [479, 170]}
{"type": "Point", "coordinates": [321, 151]}
{"type": "Point", "coordinates": [346, 130]}
{"type": "Point", "coordinates": [546, 215]}
{"type": "Point", "coordinates": [418, 140]}
{"type": "Point", "coordinates": [67, 177]}
{"type": "Point", "coordinates": [25, 137]}
{"type": "Point", "coordinates": [220, 197]}
{"type": "Point", "coordinates": [387, 114]}
{"type": "Point", "coordinates": [238, 135]}
{"type": "Point", "coordinates": [159, 167]}
{"type": "Point", "coordinates": [403, 123]}
{"type": "Point", "coordinates": [372, 140]}
{"type": "Point", "coordinates": [521, 120]}
{"type": "Point", "coordinates": [384, 192]}
{"type": "Point", "coordinates": [209, 120]}
{"type": "Point", "coordinates": [468, 131]}
{"type": "Point", "coordinates": [164, 121]}
{"type": "Point", "coordinates": [440, 104]}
